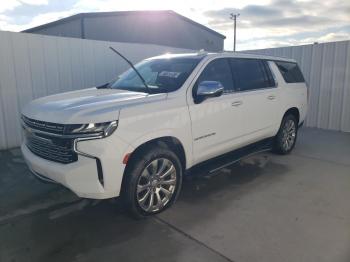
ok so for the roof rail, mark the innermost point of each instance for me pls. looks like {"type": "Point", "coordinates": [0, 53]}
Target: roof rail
{"type": "Point", "coordinates": [202, 52]}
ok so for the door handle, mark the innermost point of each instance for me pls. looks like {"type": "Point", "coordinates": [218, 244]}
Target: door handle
{"type": "Point", "coordinates": [272, 97]}
{"type": "Point", "coordinates": [237, 103]}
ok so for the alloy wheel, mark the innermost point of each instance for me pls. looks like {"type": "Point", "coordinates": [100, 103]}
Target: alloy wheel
{"type": "Point", "coordinates": [288, 135]}
{"type": "Point", "coordinates": [156, 185]}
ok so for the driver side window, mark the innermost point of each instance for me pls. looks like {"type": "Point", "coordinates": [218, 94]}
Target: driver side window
{"type": "Point", "coordinates": [218, 70]}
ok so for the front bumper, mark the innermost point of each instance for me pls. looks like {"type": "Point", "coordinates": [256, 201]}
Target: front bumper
{"type": "Point", "coordinates": [82, 177]}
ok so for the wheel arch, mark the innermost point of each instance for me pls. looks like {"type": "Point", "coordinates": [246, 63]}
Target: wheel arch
{"type": "Point", "coordinates": [169, 142]}
{"type": "Point", "coordinates": [293, 111]}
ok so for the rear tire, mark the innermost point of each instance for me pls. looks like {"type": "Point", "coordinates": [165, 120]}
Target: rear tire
{"type": "Point", "coordinates": [286, 137]}
{"type": "Point", "coordinates": [153, 182]}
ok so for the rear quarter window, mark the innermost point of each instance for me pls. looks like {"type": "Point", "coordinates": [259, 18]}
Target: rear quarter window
{"type": "Point", "coordinates": [290, 71]}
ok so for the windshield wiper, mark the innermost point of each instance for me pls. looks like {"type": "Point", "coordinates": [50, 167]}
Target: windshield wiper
{"type": "Point", "coordinates": [132, 66]}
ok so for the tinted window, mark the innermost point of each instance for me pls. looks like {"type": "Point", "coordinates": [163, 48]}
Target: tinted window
{"type": "Point", "coordinates": [251, 74]}
{"type": "Point", "coordinates": [290, 72]}
{"type": "Point", "coordinates": [218, 70]}
{"type": "Point", "coordinates": [161, 75]}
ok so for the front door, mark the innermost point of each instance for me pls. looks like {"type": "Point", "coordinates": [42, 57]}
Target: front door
{"type": "Point", "coordinates": [215, 121]}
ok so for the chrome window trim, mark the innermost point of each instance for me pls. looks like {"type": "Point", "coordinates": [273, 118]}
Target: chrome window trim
{"type": "Point", "coordinates": [256, 89]}
{"type": "Point", "coordinates": [235, 91]}
{"type": "Point", "coordinates": [250, 90]}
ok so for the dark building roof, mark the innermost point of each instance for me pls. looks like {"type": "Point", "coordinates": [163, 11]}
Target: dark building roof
{"type": "Point", "coordinates": [120, 13]}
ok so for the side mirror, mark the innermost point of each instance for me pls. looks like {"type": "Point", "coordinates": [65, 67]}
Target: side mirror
{"type": "Point", "coordinates": [207, 89]}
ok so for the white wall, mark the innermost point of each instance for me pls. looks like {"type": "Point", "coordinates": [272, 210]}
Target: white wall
{"type": "Point", "coordinates": [326, 68]}
{"type": "Point", "coordinates": [33, 66]}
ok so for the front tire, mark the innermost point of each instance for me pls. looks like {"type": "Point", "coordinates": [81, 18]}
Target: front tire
{"type": "Point", "coordinates": [287, 135]}
{"type": "Point", "coordinates": [152, 182]}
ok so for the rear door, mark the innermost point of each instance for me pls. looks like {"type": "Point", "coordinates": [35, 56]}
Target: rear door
{"type": "Point", "coordinates": [256, 88]}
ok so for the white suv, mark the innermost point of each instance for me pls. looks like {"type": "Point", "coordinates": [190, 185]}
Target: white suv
{"type": "Point", "coordinates": [137, 136]}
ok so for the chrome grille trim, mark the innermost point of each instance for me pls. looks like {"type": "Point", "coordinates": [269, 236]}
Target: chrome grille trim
{"type": "Point", "coordinates": [47, 141]}
{"type": "Point", "coordinates": [57, 150]}
{"type": "Point", "coordinates": [44, 145]}
{"type": "Point", "coordinates": [48, 127]}
{"type": "Point", "coordinates": [78, 136]}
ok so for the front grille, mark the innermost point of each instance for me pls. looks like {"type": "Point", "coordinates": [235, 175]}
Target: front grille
{"type": "Point", "coordinates": [51, 148]}
{"type": "Point", "coordinates": [57, 129]}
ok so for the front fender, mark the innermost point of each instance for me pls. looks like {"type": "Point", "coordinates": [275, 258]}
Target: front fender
{"type": "Point", "coordinates": [159, 134]}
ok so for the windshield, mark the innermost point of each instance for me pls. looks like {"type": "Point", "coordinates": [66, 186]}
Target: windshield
{"type": "Point", "coordinates": [161, 75]}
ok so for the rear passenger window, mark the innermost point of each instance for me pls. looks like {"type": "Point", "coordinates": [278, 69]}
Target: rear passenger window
{"type": "Point", "coordinates": [251, 74]}
{"type": "Point", "coordinates": [290, 72]}
{"type": "Point", "coordinates": [218, 70]}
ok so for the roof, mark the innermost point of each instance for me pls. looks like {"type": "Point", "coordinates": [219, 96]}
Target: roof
{"type": "Point", "coordinates": [184, 55]}
{"type": "Point", "coordinates": [257, 56]}
{"type": "Point", "coordinates": [225, 54]}
{"type": "Point", "coordinates": [120, 13]}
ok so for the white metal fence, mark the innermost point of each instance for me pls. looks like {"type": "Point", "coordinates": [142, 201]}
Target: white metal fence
{"type": "Point", "coordinates": [326, 68]}
{"type": "Point", "coordinates": [33, 66]}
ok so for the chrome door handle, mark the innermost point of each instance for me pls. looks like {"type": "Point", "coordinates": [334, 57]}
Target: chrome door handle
{"type": "Point", "coordinates": [272, 97]}
{"type": "Point", "coordinates": [237, 103]}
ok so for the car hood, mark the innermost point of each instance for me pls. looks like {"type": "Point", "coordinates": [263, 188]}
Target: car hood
{"type": "Point", "coordinates": [85, 106]}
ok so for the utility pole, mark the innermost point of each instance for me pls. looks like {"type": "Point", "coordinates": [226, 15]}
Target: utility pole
{"type": "Point", "coordinates": [234, 18]}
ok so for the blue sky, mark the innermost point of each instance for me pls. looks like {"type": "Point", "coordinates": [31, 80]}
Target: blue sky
{"type": "Point", "coordinates": [261, 24]}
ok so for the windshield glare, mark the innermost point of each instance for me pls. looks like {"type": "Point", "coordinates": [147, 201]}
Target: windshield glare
{"type": "Point", "coordinates": [161, 75]}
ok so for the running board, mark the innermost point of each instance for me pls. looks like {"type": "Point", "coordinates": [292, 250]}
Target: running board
{"type": "Point", "coordinates": [216, 164]}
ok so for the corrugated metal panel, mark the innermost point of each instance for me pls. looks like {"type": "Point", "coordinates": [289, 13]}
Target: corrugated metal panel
{"type": "Point", "coordinates": [326, 68]}
{"type": "Point", "coordinates": [33, 66]}
{"type": "Point", "coordinates": [9, 93]}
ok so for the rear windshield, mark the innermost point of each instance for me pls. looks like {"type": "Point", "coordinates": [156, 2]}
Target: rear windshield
{"type": "Point", "coordinates": [290, 72]}
{"type": "Point", "coordinates": [161, 75]}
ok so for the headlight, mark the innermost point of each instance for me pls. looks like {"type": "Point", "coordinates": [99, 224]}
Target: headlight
{"type": "Point", "coordinates": [93, 129]}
